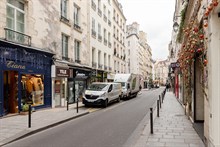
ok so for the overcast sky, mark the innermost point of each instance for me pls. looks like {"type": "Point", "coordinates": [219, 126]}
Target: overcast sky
{"type": "Point", "coordinates": [155, 17]}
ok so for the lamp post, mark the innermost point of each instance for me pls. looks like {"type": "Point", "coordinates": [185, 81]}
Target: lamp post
{"type": "Point", "coordinates": [175, 26]}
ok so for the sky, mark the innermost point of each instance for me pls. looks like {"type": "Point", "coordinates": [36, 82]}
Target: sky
{"type": "Point", "coordinates": [155, 18]}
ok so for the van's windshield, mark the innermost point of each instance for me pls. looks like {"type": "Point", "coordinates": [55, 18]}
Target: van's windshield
{"type": "Point", "coordinates": [98, 87]}
{"type": "Point", "coordinates": [122, 84]}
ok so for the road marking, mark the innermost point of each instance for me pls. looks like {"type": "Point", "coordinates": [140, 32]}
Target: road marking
{"type": "Point", "coordinates": [93, 109]}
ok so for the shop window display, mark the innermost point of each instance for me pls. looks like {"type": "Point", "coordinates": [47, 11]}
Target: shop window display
{"type": "Point", "coordinates": [32, 89]}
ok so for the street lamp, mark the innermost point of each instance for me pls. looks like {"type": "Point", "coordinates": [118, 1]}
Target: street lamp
{"type": "Point", "coordinates": [175, 26]}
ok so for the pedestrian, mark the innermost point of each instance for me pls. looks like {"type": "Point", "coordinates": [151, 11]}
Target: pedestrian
{"type": "Point", "coordinates": [140, 87]}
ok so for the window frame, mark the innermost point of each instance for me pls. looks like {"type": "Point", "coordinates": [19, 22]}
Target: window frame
{"type": "Point", "coordinates": [65, 45]}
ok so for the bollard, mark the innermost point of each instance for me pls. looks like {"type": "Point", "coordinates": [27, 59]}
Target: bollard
{"type": "Point", "coordinates": [67, 105]}
{"type": "Point", "coordinates": [151, 121]}
{"type": "Point", "coordinates": [29, 116]}
{"type": "Point", "coordinates": [160, 100]}
{"type": "Point", "coordinates": [77, 105]}
{"type": "Point", "coordinates": [158, 108]}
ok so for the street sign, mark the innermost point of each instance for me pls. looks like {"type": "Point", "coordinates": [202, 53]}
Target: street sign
{"type": "Point", "coordinates": [175, 65]}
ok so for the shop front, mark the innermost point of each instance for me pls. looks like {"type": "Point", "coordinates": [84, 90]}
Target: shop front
{"type": "Point", "coordinates": [60, 75]}
{"type": "Point", "coordinates": [25, 78]}
{"type": "Point", "coordinates": [78, 83]}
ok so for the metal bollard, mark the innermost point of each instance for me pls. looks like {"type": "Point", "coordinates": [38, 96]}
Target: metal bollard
{"type": "Point", "coordinates": [29, 116]}
{"type": "Point", "coordinates": [151, 121]}
{"type": "Point", "coordinates": [67, 105]}
{"type": "Point", "coordinates": [158, 111]}
{"type": "Point", "coordinates": [77, 105]}
{"type": "Point", "coordinates": [160, 100]}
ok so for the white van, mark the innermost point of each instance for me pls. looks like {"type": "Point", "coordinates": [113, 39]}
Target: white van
{"type": "Point", "coordinates": [102, 94]}
{"type": "Point", "coordinates": [130, 84]}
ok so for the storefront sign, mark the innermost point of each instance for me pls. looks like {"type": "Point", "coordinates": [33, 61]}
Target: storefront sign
{"type": "Point", "coordinates": [12, 64]}
{"type": "Point", "coordinates": [61, 72]}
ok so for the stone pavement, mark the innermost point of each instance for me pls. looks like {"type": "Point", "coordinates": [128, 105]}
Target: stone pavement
{"type": "Point", "coordinates": [15, 127]}
{"type": "Point", "coordinates": [171, 129]}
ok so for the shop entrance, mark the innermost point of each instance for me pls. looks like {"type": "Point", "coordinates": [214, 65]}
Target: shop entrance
{"type": "Point", "coordinates": [10, 91]}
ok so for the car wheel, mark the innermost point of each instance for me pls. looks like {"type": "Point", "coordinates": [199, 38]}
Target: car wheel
{"type": "Point", "coordinates": [105, 104]}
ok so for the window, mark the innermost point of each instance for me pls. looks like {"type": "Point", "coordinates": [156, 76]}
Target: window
{"type": "Point", "coordinates": [109, 37]}
{"type": "Point", "coordinates": [76, 15]}
{"type": "Point", "coordinates": [64, 5]}
{"type": "Point", "coordinates": [99, 57]}
{"type": "Point", "coordinates": [65, 46]}
{"type": "Point", "coordinates": [99, 29]}
{"type": "Point", "coordinates": [93, 55]}
{"type": "Point", "coordinates": [15, 20]}
{"type": "Point", "coordinates": [99, 4]}
{"type": "Point", "coordinates": [109, 15]}
{"type": "Point", "coordinates": [109, 59]}
{"type": "Point", "coordinates": [104, 9]}
{"type": "Point", "coordinates": [105, 59]}
{"type": "Point", "coordinates": [15, 15]}
{"type": "Point", "coordinates": [105, 34]}
{"type": "Point", "coordinates": [77, 50]}
{"type": "Point", "coordinates": [128, 43]}
{"type": "Point", "coordinates": [93, 24]}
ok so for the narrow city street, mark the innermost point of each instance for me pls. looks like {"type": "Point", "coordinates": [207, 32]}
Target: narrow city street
{"type": "Point", "coordinates": [109, 127]}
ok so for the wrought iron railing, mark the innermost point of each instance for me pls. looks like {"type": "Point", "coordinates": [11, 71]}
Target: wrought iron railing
{"type": "Point", "coordinates": [14, 36]}
{"type": "Point", "coordinates": [93, 5]}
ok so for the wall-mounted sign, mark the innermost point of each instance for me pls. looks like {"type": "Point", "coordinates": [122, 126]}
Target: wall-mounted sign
{"type": "Point", "coordinates": [12, 64]}
{"type": "Point", "coordinates": [175, 65]}
{"type": "Point", "coordinates": [62, 72]}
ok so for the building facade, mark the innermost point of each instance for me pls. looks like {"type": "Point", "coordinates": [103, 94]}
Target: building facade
{"type": "Point", "coordinates": [25, 59]}
{"type": "Point", "coordinates": [119, 34]}
{"type": "Point", "coordinates": [139, 53]}
{"type": "Point", "coordinates": [161, 72]}
{"type": "Point", "coordinates": [198, 58]}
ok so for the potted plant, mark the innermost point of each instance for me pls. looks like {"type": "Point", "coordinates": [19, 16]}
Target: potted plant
{"type": "Point", "coordinates": [24, 109]}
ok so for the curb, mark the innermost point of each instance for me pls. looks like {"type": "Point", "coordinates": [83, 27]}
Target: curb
{"type": "Point", "coordinates": [31, 132]}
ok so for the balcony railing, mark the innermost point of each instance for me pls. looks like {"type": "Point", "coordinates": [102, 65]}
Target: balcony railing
{"type": "Point", "coordinates": [94, 64]}
{"type": "Point", "coordinates": [65, 58]}
{"type": "Point", "coordinates": [93, 6]}
{"type": "Point", "coordinates": [76, 26]}
{"type": "Point", "coordinates": [14, 36]}
{"type": "Point", "coordinates": [78, 61]}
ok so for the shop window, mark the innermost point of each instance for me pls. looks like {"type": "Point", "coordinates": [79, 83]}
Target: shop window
{"type": "Point", "coordinates": [32, 89]}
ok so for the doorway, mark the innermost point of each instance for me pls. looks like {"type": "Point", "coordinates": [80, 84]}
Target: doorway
{"type": "Point", "coordinates": [10, 91]}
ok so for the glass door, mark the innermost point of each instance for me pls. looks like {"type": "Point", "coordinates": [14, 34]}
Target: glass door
{"type": "Point", "coordinates": [71, 92]}
{"type": "Point", "coordinates": [10, 92]}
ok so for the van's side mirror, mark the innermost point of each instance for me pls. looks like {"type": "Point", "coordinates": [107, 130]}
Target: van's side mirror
{"type": "Point", "coordinates": [110, 89]}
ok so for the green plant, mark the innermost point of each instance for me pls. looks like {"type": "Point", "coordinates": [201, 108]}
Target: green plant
{"type": "Point", "coordinates": [25, 107]}
{"type": "Point", "coordinates": [179, 35]}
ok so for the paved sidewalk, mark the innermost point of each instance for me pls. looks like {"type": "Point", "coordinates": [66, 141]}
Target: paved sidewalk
{"type": "Point", "coordinates": [171, 129]}
{"type": "Point", "coordinates": [15, 127]}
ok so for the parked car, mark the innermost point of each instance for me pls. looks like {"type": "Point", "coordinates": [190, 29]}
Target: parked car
{"type": "Point", "coordinates": [102, 94]}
